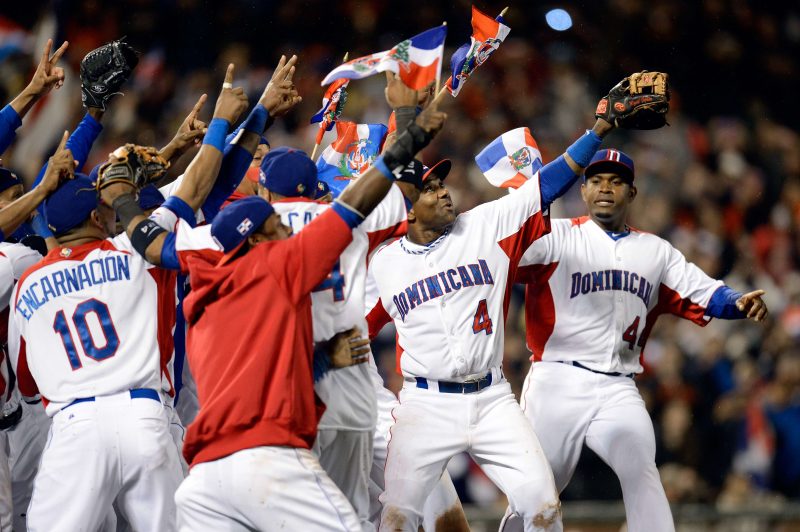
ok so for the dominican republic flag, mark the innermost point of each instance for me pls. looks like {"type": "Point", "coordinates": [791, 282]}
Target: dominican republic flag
{"type": "Point", "coordinates": [332, 106]}
{"type": "Point", "coordinates": [416, 60]}
{"type": "Point", "coordinates": [510, 159]}
{"type": "Point", "coordinates": [487, 34]}
{"type": "Point", "coordinates": [352, 153]}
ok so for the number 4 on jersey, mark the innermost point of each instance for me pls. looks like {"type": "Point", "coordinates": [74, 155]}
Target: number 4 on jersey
{"type": "Point", "coordinates": [482, 321]}
{"type": "Point", "coordinates": [630, 335]}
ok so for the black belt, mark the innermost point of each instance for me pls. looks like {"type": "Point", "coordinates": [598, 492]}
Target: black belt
{"type": "Point", "coordinates": [458, 387]}
{"type": "Point", "coordinates": [609, 373]}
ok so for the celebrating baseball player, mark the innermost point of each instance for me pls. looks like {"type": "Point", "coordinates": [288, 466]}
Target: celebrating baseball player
{"type": "Point", "coordinates": [594, 289]}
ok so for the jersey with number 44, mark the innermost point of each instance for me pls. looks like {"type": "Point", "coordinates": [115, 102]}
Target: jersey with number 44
{"type": "Point", "coordinates": [93, 319]}
{"type": "Point", "coordinates": [337, 305]}
{"type": "Point", "coordinates": [593, 297]}
{"type": "Point", "coordinates": [448, 299]}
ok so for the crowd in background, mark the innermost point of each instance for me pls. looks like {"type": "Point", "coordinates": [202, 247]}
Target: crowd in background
{"type": "Point", "coordinates": [722, 183]}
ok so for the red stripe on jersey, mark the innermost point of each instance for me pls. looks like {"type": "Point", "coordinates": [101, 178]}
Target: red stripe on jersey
{"type": "Point", "coordinates": [540, 310]}
{"type": "Point", "coordinates": [579, 220]}
{"type": "Point", "coordinates": [515, 246]}
{"type": "Point", "coordinates": [670, 302]}
{"type": "Point", "coordinates": [377, 319]}
{"type": "Point", "coordinates": [78, 253]}
{"type": "Point", "coordinates": [27, 386]}
{"type": "Point", "coordinates": [167, 308]}
{"type": "Point", "coordinates": [398, 354]}
{"type": "Point", "coordinates": [377, 238]}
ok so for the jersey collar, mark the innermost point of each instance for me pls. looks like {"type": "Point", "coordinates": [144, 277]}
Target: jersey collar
{"type": "Point", "coordinates": [418, 249]}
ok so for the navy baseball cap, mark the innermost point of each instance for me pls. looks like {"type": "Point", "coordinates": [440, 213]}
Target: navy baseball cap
{"type": "Point", "coordinates": [413, 173]}
{"type": "Point", "coordinates": [322, 190]}
{"type": "Point", "coordinates": [70, 204]}
{"type": "Point", "coordinates": [613, 162]}
{"type": "Point", "coordinates": [237, 221]}
{"type": "Point", "coordinates": [440, 170]}
{"type": "Point", "coordinates": [8, 179]}
{"type": "Point", "coordinates": [150, 197]}
{"type": "Point", "coordinates": [288, 172]}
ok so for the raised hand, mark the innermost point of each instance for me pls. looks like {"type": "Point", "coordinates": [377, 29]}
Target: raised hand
{"type": "Point", "coordinates": [232, 101]}
{"type": "Point", "coordinates": [398, 94]}
{"type": "Point", "coordinates": [280, 94]}
{"type": "Point", "coordinates": [48, 75]}
{"type": "Point", "coordinates": [431, 119]}
{"type": "Point", "coordinates": [190, 132]}
{"type": "Point", "coordinates": [60, 166]}
{"type": "Point", "coordinates": [753, 304]}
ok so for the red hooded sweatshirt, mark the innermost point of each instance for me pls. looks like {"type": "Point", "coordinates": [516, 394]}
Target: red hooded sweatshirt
{"type": "Point", "coordinates": [249, 341]}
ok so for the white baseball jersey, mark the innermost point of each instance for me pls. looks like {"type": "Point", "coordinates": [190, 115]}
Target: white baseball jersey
{"type": "Point", "coordinates": [337, 305]}
{"type": "Point", "coordinates": [593, 297]}
{"type": "Point", "coordinates": [92, 320]}
{"type": "Point", "coordinates": [448, 299]}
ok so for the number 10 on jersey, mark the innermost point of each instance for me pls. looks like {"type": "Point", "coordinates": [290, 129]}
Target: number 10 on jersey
{"type": "Point", "coordinates": [91, 348]}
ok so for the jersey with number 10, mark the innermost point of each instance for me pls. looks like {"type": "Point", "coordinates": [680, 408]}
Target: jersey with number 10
{"type": "Point", "coordinates": [337, 304]}
{"type": "Point", "coordinates": [448, 299]}
{"type": "Point", "coordinates": [95, 319]}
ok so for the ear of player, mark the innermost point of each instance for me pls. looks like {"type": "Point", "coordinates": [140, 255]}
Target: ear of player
{"type": "Point", "coordinates": [639, 101]}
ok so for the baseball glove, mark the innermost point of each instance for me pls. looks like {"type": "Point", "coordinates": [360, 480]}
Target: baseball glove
{"type": "Point", "coordinates": [136, 165]}
{"type": "Point", "coordinates": [104, 70]}
{"type": "Point", "coordinates": [640, 101]}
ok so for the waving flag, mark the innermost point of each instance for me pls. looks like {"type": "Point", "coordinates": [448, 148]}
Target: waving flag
{"type": "Point", "coordinates": [332, 106]}
{"type": "Point", "coordinates": [417, 61]}
{"type": "Point", "coordinates": [355, 149]}
{"type": "Point", "coordinates": [510, 159]}
{"type": "Point", "coordinates": [487, 34]}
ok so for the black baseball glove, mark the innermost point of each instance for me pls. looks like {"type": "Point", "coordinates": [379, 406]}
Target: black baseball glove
{"type": "Point", "coordinates": [104, 70]}
{"type": "Point", "coordinates": [640, 101]}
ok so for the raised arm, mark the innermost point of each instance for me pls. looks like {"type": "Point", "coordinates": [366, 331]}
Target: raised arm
{"type": "Point", "coordinates": [46, 77]}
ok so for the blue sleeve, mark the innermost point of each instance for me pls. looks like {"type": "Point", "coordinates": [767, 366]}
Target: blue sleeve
{"type": "Point", "coordinates": [9, 123]}
{"type": "Point", "coordinates": [723, 304]}
{"type": "Point", "coordinates": [352, 219]}
{"type": "Point", "coordinates": [235, 162]}
{"type": "Point", "coordinates": [322, 363]}
{"type": "Point", "coordinates": [79, 142]}
{"type": "Point", "coordinates": [555, 178]}
{"type": "Point", "coordinates": [169, 255]}
{"type": "Point", "coordinates": [181, 209]}
{"type": "Point", "coordinates": [2, 236]}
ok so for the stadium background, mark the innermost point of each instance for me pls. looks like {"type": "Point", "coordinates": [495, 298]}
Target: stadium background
{"type": "Point", "coordinates": [722, 183]}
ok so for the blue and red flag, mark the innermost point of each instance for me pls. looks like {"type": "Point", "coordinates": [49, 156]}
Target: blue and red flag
{"type": "Point", "coordinates": [417, 61]}
{"type": "Point", "coordinates": [332, 106]}
{"type": "Point", "coordinates": [487, 34]}
{"type": "Point", "coordinates": [510, 159]}
{"type": "Point", "coordinates": [352, 153]}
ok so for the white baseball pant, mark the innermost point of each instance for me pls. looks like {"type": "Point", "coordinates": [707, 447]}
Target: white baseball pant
{"type": "Point", "coordinates": [431, 427]}
{"type": "Point", "coordinates": [568, 406]}
{"type": "Point", "coordinates": [442, 511]}
{"type": "Point", "coordinates": [346, 456]}
{"type": "Point", "coordinates": [178, 434]}
{"type": "Point", "coordinates": [266, 489]}
{"type": "Point", "coordinates": [26, 442]}
{"type": "Point", "coordinates": [115, 448]}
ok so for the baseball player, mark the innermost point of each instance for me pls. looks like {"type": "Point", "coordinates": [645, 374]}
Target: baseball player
{"type": "Point", "coordinates": [288, 180]}
{"type": "Point", "coordinates": [264, 435]}
{"type": "Point", "coordinates": [595, 287]}
{"type": "Point", "coordinates": [446, 287]}
{"type": "Point", "coordinates": [89, 330]}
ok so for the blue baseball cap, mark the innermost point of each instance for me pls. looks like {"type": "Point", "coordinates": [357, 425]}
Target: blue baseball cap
{"type": "Point", "coordinates": [70, 204]}
{"type": "Point", "coordinates": [611, 161]}
{"type": "Point", "coordinates": [322, 190]}
{"type": "Point", "coordinates": [8, 179]}
{"type": "Point", "coordinates": [288, 172]}
{"type": "Point", "coordinates": [237, 221]}
{"type": "Point", "coordinates": [150, 197]}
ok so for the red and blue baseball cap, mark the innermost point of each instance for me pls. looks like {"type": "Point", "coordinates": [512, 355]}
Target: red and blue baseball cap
{"type": "Point", "coordinates": [237, 221]}
{"type": "Point", "coordinates": [8, 179]}
{"type": "Point", "coordinates": [288, 172]}
{"type": "Point", "coordinates": [70, 204]}
{"type": "Point", "coordinates": [613, 162]}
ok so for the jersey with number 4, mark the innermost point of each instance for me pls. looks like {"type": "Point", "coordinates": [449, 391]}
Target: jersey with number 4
{"type": "Point", "coordinates": [93, 319]}
{"type": "Point", "coordinates": [448, 299]}
{"type": "Point", "coordinates": [593, 297]}
{"type": "Point", "coordinates": [337, 305]}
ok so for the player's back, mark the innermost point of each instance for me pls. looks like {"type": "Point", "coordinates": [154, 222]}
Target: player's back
{"type": "Point", "coordinates": [89, 322]}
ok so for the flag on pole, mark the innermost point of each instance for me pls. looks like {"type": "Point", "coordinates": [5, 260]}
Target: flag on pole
{"type": "Point", "coordinates": [510, 159]}
{"type": "Point", "coordinates": [417, 61]}
{"type": "Point", "coordinates": [487, 34]}
{"type": "Point", "coordinates": [332, 106]}
{"type": "Point", "coordinates": [352, 153]}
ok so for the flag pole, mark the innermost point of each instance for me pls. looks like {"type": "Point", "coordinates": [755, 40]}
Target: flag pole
{"type": "Point", "coordinates": [316, 145]}
{"type": "Point", "coordinates": [439, 91]}
{"type": "Point", "coordinates": [503, 12]}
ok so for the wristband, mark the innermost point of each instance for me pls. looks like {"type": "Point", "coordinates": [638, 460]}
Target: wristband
{"type": "Point", "coordinates": [583, 149]}
{"type": "Point", "coordinates": [406, 145]}
{"type": "Point", "coordinates": [217, 131]}
{"type": "Point", "coordinates": [404, 117]}
{"type": "Point", "coordinates": [380, 165]}
{"type": "Point", "coordinates": [144, 234]}
{"type": "Point", "coordinates": [256, 121]}
{"type": "Point", "coordinates": [127, 208]}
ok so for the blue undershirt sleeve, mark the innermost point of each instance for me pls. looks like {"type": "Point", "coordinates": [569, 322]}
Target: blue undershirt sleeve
{"type": "Point", "coordinates": [723, 304]}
